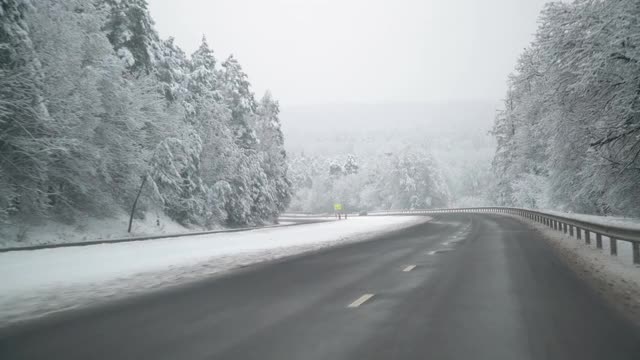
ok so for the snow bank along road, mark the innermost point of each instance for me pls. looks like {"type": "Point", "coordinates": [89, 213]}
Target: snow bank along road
{"type": "Point", "coordinates": [285, 221]}
{"type": "Point", "coordinates": [463, 286]}
{"type": "Point", "coordinates": [40, 282]}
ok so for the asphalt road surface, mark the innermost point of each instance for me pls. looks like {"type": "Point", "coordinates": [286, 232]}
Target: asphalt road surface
{"type": "Point", "coordinates": [459, 287]}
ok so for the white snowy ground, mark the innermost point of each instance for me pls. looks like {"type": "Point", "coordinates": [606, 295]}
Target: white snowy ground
{"type": "Point", "coordinates": [39, 282]}
{"type": "Point", "coordinates": [87, 229]}
{"type": "Point", "coordinates": [619, 221]}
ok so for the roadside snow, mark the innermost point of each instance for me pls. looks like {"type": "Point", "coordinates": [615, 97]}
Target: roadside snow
{"type": "Point", "coordinates": [39, 282]}
{"type": "Point", "coordinates": [306, 216]}
{"type": "Point", "coordinates": [287, 217]}
{"type": "Point", "coordinates": [619, 221]}
{"type": "Point", "coordinates": [286, 222]}
{"type": "Point", "coordinates": [625, 251]}
{"type": "Point", "coordinates": [87, 229]}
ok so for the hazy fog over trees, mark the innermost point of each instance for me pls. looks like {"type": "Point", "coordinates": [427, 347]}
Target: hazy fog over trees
{"type": "Point", "coordinates": [409, 156]}
{"type": "Point", "coordinates": [567, 134]}
{"type": "Point", "coordinates": [96, 107]}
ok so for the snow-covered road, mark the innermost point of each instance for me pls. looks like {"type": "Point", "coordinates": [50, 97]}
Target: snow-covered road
{"type": "Point", "coordinates": [43, 281]}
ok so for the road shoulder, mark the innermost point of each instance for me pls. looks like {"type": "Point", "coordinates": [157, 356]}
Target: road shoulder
{"type": "Point", "coordinates": [618, 283]}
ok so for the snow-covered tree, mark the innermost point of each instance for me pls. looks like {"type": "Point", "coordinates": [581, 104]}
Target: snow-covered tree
{"type": "Point", "coordinates": [273, 157]}
{"type": "Point", "coordinates": [239, 98]}
{"type": "Point", "coordinates": [176, 178]}
{"type": "Point", "coordinates": [351, 165]}
{"type": "Point", "coordinates": [171, 69]}
{"type": "Point", "coordinates": [409, 178]}
{"type": "Point", "coordinates": [130, 30]}
{"type": "Point", "coordinates": [570, 124]}
{"type": "Point", "coordinates": [98, 115]}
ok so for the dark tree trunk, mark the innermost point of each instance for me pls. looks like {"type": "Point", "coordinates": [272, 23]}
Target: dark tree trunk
{"type": "Point", "coordinates": [135, 202]}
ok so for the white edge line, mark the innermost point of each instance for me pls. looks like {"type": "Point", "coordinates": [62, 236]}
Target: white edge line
{"type": "Point", "coordinates": [361, 300]}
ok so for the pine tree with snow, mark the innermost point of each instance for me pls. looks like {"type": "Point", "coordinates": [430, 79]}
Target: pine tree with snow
{"type": "Point", "coordinates": [130, 31]}
{"type": "Point", "coordinates": [239, 98]}
{"type": "Point", "coordinates": [351, 165]}
{"type": "Point", "coordinates": [171, 69]}
{"type": "Point", "coordinates": [273, 155]}
{"type": "Point", "coordinates": [203, 77]}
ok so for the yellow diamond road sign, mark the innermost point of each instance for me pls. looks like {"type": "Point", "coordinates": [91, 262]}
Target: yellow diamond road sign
{"type": "Point", "coordinates": [337, 207]}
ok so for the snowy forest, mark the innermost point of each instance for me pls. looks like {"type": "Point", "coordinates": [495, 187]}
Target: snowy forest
{"type": "Point", "coordinates": [99, 115]}
{"type": "Point", "coordinates": [409, 179]}
{"type": "Point", "coordinates": [569, 135]}
{"type": "Point", "coordinates": [389, 156]}
{"type": "Point", "coordinates": [97, 112]}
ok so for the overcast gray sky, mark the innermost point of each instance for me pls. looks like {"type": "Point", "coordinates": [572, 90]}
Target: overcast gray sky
{"type": "Point", "coordinates": [341, 51]}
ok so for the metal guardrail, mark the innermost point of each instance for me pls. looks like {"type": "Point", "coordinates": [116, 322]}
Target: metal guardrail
{"type": "Point", "coordinates": [567, 225]}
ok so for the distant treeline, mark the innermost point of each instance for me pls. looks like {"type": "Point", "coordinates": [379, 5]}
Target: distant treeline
{"type": "Point", "coordinates": [406, 179]}
{"type": "Point", "coordinates": [95, 107]}
{"type": "Point", "coordinates": [569, 135]}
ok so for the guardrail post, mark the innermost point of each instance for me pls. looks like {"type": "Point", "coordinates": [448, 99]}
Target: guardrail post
{"type": "Point", "coordinates": [578, 233]}
{"type": "Point", "coordinates": [599, 240]}
{"type": "Point", "coordinates": [587, 237]}
{"type": "Point", "coordinates": [571, 230]}
{"type": "Point", "coordinates": [564, 227]}
{"type": "Point", "coordinates": [613, 245]}
{"type": "Point", "coordinates": [636, 252]}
